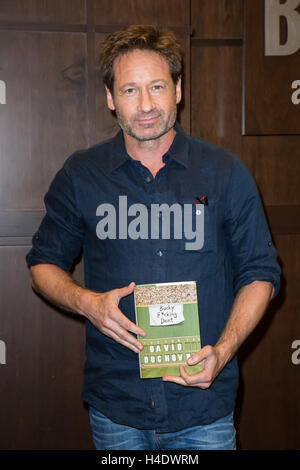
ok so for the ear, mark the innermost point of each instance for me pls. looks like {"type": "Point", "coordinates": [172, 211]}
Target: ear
{"type": "Point", "coordinates": [110, 100]}
{"type": "Point", "coordinates": [178, 92]}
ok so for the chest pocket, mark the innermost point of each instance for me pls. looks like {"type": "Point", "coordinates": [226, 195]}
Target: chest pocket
{"type": "Point", "coordinates": [200, 225]}
{"type": "Point", "coordinates": [201, 237]}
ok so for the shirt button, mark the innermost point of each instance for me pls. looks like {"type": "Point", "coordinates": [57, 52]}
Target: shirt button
{"type": "Point", "coordinates": [148, 179]}
{"type": "Point", "coordinates": [159, 253]}
{"type": "Point", "coordinates": [269, 243]}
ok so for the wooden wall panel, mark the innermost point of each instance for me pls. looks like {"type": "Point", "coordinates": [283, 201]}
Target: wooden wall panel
{"type": "Point", "coordinates": [106, 124]}
{"type": "Point", "coordinates": [163, 12]}
{"type": "Point", "coordinates": [216, 94]}
{"type": "Point", "coordinates": [217, 18]}
{"type": "Point", "coordinates": [41, 382]}
{"type": "Point", "coordinates": [55, 104]}
{"type": "Point", "coordinates": [267, 415]}
{"type": "Point", "coordinates": [268, 411]}
{"type": "Point", "coordinates": [268, 107]}
{"type": "Point", "coordinates": [277, 169]}
{"type": "Point", "coordinates": [45, 115]}
{"type": "Point", "coordinates": [46, 11]}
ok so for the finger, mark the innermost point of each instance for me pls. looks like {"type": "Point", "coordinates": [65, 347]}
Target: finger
{"type": "Point", "coordinates": [175, 379]}
{"type": "Point", "coordinates": [119, 334]}
{"type": "Point", "coordinates": [181, 381]}
{"type": "Point", "coordinates": [200, 355]}
{"type": "Point", "coordinates": [194, 359]}
{"type": "Point", "coordinates": [125, 343]}
{"type": "Point", "coordinates": [196, 380]}
{"type": "Point", "coordinates": [125, 323]}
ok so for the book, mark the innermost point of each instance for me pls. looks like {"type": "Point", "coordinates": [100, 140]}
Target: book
{"type": "Point", "coordinates": [168, 313]}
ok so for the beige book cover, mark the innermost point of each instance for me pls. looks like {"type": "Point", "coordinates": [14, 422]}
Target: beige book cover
{"type": "Point", "coordinates": [168, 312]}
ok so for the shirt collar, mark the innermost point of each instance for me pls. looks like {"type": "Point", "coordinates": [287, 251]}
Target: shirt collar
{"type": "Point", "coordinates": [179, 149]}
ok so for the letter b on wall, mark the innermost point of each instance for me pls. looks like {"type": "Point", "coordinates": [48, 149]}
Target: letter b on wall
{"type": "Point", "coordinates": [273, 11]}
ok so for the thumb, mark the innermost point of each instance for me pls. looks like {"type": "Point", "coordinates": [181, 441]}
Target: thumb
{"type": "Point", "coordinates": [123, 291]}
{"type": "Point", "coordinates": [200, 355]}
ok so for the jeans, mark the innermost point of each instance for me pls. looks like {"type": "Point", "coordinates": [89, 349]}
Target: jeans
{"type": "Point", "coordinates": [108, 435]}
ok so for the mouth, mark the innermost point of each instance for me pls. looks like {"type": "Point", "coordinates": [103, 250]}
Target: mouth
{"type": "Point", "coordinates": [148, 121]}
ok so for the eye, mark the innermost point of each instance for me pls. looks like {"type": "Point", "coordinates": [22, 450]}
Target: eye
{"type": "Point", "coordinates": [157, 87]}
{"type": "Point", "coordinates": [130, 91]}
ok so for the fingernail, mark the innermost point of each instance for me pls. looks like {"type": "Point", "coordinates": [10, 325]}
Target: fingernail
{"type": "Point", "coordinates": [192, 360]}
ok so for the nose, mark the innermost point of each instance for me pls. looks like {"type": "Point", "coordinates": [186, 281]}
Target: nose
{"type": "Point", "coordinates": [146, 103]}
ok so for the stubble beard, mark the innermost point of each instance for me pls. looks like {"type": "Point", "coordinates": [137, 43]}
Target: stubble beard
{"type": "Point", "coordinates": [164, 125]}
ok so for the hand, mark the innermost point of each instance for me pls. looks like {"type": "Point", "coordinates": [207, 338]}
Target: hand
{"type": "Point", "coordinates": [210, 358]}
{"type": "Point", "coordinates": [103, 311]}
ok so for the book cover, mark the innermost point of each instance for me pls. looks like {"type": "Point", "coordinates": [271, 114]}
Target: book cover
{"type": "Point", "coordinates": [168, 312]}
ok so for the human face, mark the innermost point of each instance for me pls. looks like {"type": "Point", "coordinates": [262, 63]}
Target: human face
{"type": "Point", "coordinates": [144, 96]}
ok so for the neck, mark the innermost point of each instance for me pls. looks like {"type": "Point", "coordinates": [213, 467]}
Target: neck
{"type": "Point", "coordinates": [149, 152]}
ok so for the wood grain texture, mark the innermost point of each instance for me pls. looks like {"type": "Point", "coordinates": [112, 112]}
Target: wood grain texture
{"type": "Point", "coordinates": [19, 223]}
{"type": "Point", "coordinates": [45, 116]}
{"type": "Point", "coordinates": [46, 11]}
{"type": "Point", "coordinates": [268, 407]}
{"type": "Point", "coordinates": [276, 167]}
{"type": "Point", "coordinates": [217, 18]}
{"type": "Point", "coordinates": [268, 108]}
{"type": "Point", "coordinates": [158, 12]}
{"type": "Point", "coordinates": [55, 105]}
{"type": "Point", "coordinates": [216, 95]}
{"type": "Point", "coordinates": [106, 124]}
{"type": "Point", "coordinates": [267, 414]}
{"type": "Point", "coordinates": [41, 382]}
{"type": "Point", "coordinates": [284, 219]}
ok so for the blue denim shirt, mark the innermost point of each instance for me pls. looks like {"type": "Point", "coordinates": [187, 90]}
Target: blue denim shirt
{"type": "Point", "coordinates": [233, 249]}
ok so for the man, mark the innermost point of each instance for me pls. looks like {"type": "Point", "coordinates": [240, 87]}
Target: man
{"type": "Point", "coordinates": [91, 206]}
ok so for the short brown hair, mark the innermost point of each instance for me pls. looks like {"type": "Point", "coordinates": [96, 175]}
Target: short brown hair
{"type": "Point", "coordinates": [142, 37]}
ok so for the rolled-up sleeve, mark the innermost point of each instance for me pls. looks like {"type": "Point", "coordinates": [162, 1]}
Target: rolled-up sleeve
{"type": "Point", "coordinates": [59, 238]}
{"type": "Point", "coordinates": [253, 254]}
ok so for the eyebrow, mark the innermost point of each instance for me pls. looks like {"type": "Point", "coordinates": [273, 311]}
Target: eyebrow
{"type": "Point", "coordinates": [133, 84]}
